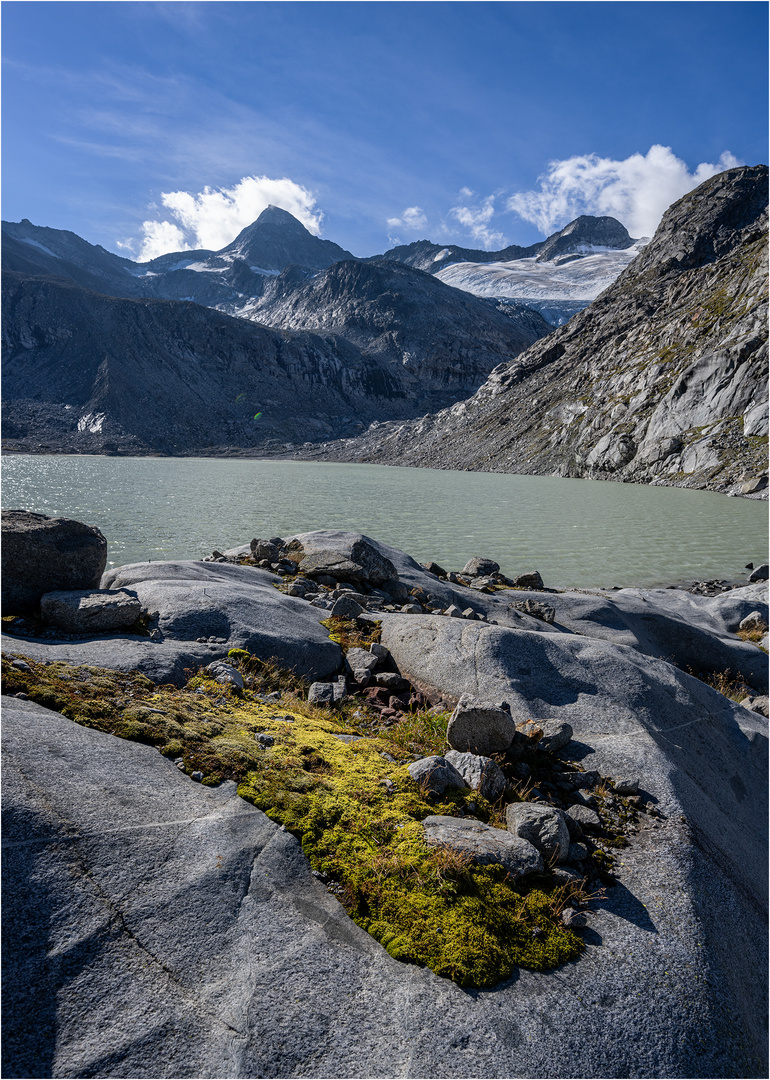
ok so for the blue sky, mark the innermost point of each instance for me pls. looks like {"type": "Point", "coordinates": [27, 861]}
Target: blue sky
{"type": "Point", "coordinates": [150, 126]}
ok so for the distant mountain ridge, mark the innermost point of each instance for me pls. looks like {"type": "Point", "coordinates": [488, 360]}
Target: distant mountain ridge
{"type": "Point", "coordinates": [233, 277]}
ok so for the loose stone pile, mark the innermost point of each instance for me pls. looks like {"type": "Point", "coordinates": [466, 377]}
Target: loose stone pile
{"type": "Point", "coordinates": [558, 817]}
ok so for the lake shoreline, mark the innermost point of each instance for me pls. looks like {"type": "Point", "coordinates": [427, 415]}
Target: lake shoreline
{"type": "Point", "coordinates": [244, 455]}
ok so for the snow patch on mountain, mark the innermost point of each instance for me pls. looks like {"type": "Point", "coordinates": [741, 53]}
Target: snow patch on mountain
{"type": "Point", "coordinates": [581, 278]}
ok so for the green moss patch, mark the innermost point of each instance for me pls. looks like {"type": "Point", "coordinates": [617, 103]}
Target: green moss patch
{"type": "Point", "coordinates": [350, 801]}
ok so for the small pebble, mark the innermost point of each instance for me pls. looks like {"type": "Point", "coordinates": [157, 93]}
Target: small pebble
{"type": "Point", "coordinates": [197, 776]}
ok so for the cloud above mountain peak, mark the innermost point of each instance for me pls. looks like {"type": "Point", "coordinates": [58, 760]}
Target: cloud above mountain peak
{"type": "Point", "coordinates": [212, 218]}
{"type": "Point", "coordinates": [636, 190]}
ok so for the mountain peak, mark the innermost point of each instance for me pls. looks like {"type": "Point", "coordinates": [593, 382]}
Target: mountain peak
{"type": "Point", "coordinates": [274, 215]}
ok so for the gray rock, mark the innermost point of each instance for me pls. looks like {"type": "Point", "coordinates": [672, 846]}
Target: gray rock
{"type": "Point", "coordinates": [296, 590]}
{"type": "Point", "coordinates": [480, 567]}
{"type": "Point", "coordinates": [759, 703]}
{"type": "Point", "coordinates": [225, 673]}
{"type": "Point", "coordinates": [480, 727]}
{"type": "Point", "coordinates": [321, 693]}
{"type": "Point", "coordinates": [454, 612]}
{"type": "Point", "coordinates": [391, 680]}
{"type": "Point", "coordinates": [89, 611]}
{"type": "Point", "coordinates": [469, 613]}
{"type": "Point", "coordinates": [627, 786]}
{"type": "Point", "coordinates": [360, 662]}
{"type": "Point", "coordinates": [532, 580]}
{"type": "Point", "coordinates": [412, 609]}
{"type": "Point", "coordinates": [760, 574]}
{"type": "Point", "coordinates": [556, 734]}
{"type": "Point", "coordinates": [344, 556]}
{"type": "Point", "coordinates": [41, 554]}
{"type": "Point", "coordinates": [483, 844]}
{"type": "Point", "coordinates": [479, 773]}
{"type": "Point", "coordinates": [754, 621]}
{"type": "Point", "coordinates": [379, 651]}
{"type": "Point", "coordinates": [585, 818]}
{"type": "Point", "coordinates": [544, 826]}
{"type": "Point", "coordinates": [435, 774]}
{"type": "Point", "coordinates": [346, 607]}
{"type": "Point", "coordinates": [265, 549]}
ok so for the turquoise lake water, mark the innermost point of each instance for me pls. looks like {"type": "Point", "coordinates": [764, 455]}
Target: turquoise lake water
{"type": "Point", "coordinates": [577, 533]}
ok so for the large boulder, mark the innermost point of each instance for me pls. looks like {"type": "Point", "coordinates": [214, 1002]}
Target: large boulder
{"type": "Point", "coordinates": [700, 756]}
{"type": "Point", "coordinates": [345, 556]}
{"type": "Point", "coordinates": [90, 611]}
{"type": "Point", "coordinates": [41, 554]}
{"type": "Point", "coordinates": [200, 611]}
{"type": "Point", "coordinates": [114, 861]}
{"type": "Point", "coordinates": [480, 727]}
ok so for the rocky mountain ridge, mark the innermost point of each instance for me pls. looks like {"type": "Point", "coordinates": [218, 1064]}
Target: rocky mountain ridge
{"type": "Point", "coordinates": [84, 372]}
{"type": "Point", "coordinates": [232, 278]}
{"type": "Point", "coordinates": [663, 379]}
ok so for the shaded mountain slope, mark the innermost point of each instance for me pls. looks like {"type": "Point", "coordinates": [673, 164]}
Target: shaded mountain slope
{"type": "Point", "coordinates": [405, 317]}
{"type": "Point", "coordinates": [92, 373]}
{"type": "Point", "coordinates": [661, 380]}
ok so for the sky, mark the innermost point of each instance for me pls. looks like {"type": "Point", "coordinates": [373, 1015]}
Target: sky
{"type": "Point", "coordinates": [152, 127]}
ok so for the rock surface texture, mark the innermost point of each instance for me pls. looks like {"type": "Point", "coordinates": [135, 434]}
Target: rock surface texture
{"type": "Point", "coordinates": [42, 554]}
{"type": "Point", "coordinates": [663, 379]}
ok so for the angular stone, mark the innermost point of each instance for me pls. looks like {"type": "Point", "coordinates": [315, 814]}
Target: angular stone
{"type": "Point", "coordinates": [346, 608]}
{"type": "Point", "coordinates": [435, 774]}
{"type": "Point", "coordinates": [479, 773]}
{"type": "Point", "coordinates": [379, 651]}
{"type": "Point", "coordinates": [41, 554]}
{"type": "Point", "coordinates": [585, 818]}
{"type": "Point", "coordinates": [627, 786]}
{"type": "Point", "coordinates": [412, 609]}
{"type": "Point", "coordinates": [360, 662]}
{"type": "Point", "coordinates": [760, 574]}
{"type": "Point", "coordinates": [435, 569]}
{"type": "Point", "coordinates": [484, 844]}
{"type": "Point", "coordinates": [480, 727]}
{"type": "Point", "coordinates": [556, 734]}
{"type": "Point", "coordinates": [89, 611]}
{"type": "Point", "coordinates": [480, 567]}
{"type": "Point", "coordinates": [225, 673]}
{"type": "Point", "coordinates": [265, 549]}
{"type": "Point", "coordinates": [544, 826]}
{"type": "Point", "coordinates": [391, 680]}
{"type": "Point", "coordinates": [345, 556]}
{"type": "Point", "coordinates": [321, 693]}
{"type": "Point", "coordinates": [454, 612]}
{"type": "Point", "coordinates": [531, 580]}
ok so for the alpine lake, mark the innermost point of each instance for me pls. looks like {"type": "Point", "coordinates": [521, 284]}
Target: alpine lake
{"type": "Point", "coordinates": [577, 533]}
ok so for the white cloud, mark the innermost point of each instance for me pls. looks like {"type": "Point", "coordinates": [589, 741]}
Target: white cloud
{"type": "Point", "coordinates": [212, 218]}
{"type": "Point", "coordinates": [413, 220]}
{"type": "Point", "coordinates": [637, 190]}
{"type": "Point", "coordinates": [477, 218]}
